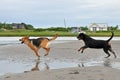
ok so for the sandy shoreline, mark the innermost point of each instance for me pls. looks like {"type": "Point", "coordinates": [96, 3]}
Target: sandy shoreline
{"type": "Point", "coordinates": [85, 73]}
{"type": "Point", "coordinates": [62, 51]}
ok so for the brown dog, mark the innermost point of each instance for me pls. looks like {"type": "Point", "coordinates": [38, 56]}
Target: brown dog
{"type": "Point", "coordinates": [36, 44]}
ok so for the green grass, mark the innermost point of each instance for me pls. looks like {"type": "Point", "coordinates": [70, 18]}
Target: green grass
{"type": "Point", "coordinates": [51, 33]}
{"type": "Point", "coordinates": [103, 33]}
{"type": "Point", "coordinates": [33, 33]}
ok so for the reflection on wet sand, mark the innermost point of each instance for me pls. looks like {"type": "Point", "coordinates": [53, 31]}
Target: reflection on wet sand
{"type": "Point", "coordinates": [37, 68]}
{"type": "Point", "coordinates": [81, 65]}
{"type": "Point", "coordinates": [47, 64]}
{"type": "Point", "coordinates": [107, 63]}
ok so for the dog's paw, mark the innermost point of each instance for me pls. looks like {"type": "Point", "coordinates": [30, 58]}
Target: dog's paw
{"type": "Point", "coordinates": [81, 51]}
{"type": "Point", "coordinates": [45, 54]}
{"type": "Point", "coordinates": [38, 58]}
{"type": "Point", "coordinates": [78, 50]}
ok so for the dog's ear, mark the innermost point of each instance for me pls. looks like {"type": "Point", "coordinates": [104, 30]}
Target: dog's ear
{"type": "Point", "coordinates": [56, 34]}
{"type": "Point", "coordinates": [82, 35]}
{"type": "Point", "coordinates": [27, 37]}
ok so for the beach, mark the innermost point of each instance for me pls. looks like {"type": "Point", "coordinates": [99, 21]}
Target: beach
{"type": "Point", "coordinates": [100, 68]}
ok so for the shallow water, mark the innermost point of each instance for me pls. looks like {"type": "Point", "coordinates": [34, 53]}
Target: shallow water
{"type": "Point", "coordinates": [8, 67]}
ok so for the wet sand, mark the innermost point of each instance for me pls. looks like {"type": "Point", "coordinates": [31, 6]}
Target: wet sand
{"type": "Point", "coordinates": [63, 51]}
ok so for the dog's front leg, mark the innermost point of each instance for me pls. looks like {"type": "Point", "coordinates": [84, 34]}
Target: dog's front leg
{"type": "Point", "coordinates": [37, 54]}
{"type": "Point", "coordinates": [82, 48]}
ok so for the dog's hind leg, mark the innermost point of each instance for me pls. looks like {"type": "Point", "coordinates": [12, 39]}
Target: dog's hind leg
{"type": "Point", "coordinates": [110, 49]}
{"type": "Point", "coordinates": [47, 51]}
{"type": "Point", "coordinates": [106, 51]}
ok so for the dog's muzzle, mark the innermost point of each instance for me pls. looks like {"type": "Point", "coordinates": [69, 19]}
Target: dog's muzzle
{"type": "Point", "coordinates": [78, 38]}
{"type": "Point", "coordinates": [21, 41]}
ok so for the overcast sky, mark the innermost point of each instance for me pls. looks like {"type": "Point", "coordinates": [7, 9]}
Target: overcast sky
{"type": "Point", "coordinates": [47, 13]}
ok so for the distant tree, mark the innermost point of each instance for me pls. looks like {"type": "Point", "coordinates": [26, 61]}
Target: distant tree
{"type": "Point", "coordinates": [58, 29]}
{"type": "Point", "coordinates": [8, 26]}
{"type": "Point", "coordinates": [39, 29]}
{"type": "Point", "coordinates": [1, 25]}
{"type": "Point", "coordinates": [84, 28]}
{"type": "Point", "coordinates": [114, 27]}
{"type": "Point", "coordinates": [29, 26]}
{"type": "Point", "coordinates": [62, 29]}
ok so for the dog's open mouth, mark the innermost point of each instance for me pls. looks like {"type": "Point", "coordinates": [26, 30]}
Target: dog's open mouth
{"type": "Point", "coordinates": [78, 38]}
{"type": "Point", "coordinates": [21, 41]}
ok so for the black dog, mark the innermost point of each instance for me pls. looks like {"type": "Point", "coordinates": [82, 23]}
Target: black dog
{"type": "Point", "coordinates": [92, 43]}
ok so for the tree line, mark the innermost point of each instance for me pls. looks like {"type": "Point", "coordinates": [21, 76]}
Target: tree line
{"type": "Point", "coordinates": [30, 27]}
{"type": "Point", "coordinates": [10, 26]}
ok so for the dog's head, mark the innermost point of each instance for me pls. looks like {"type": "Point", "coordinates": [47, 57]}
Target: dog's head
{"type": "Point", "coordinates": [81, 36]}
{"type": "Point", "coordinates": [24, 39]}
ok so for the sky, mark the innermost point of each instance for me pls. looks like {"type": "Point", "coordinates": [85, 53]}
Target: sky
{"type": "Point", "coordinates": [53, 13]}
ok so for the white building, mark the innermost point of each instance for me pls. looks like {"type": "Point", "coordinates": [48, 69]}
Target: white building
{"type": "Point", "coordinates": [98, 27]}
{"type": "Point", "coordinates": [75, 29]}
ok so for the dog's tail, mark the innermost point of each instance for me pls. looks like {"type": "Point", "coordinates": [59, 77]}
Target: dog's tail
{"type": "Point", "coordinates": [53, 37]}
{"type": "Point", "coordinates": [111, 37]}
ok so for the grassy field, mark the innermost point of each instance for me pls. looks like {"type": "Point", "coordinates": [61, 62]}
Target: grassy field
{"type": "Point", "coordinates": [51, 33]}
{"type": "Point", "coordinates": [103, 33]}
{"type": "Point", "coordinates": [33, 33]}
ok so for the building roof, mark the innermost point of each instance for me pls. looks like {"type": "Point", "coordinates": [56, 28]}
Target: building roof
{"type": "Point", "coordinates": [99, 25]}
